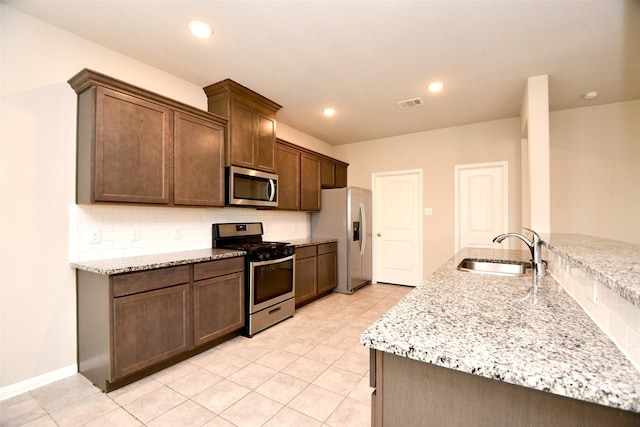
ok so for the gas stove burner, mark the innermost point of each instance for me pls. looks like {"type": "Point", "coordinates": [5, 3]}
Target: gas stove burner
{"type": "Point", "coordinates": [256, 246]}
{"type": "Point", "coordinates": [248, 237]}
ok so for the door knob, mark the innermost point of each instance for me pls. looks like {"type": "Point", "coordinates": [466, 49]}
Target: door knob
{"type": "Point", "coordinates": [378, 234]}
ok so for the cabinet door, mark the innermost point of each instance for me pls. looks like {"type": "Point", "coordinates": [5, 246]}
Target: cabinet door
{"type": "Point", "coordinates": [265, 142]}
{"type": "Point", "coordinates": [241, 131]}
{"type": "Point", "coordinates": [150, 327]}
{"type": "Point", "coordinates": [132, 149]}
{"type": "Point", "coordinates": [328, 174]}
{"type": "Point", "coordinates": [309, 183]}
{"type": "Point", "coordinates": [341, 176]}
{"type": "Point", "coordinates": [218, 307]}
{"type": "Point", "coordinates": [306, 284]}
{"type": "Point", "coordinates": [327, 273]}
{"type": "Point", "coordinates": [198, 161]}
{"type": "Point", "coordinates": [288, 170]}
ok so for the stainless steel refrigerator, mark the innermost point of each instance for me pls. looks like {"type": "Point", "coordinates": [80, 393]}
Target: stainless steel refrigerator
{"type": "Point", "coordinates": [346, 216]}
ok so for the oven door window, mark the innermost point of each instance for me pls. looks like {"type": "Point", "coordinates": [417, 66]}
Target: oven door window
{"type": "Point", "coordinates": [272, 281]}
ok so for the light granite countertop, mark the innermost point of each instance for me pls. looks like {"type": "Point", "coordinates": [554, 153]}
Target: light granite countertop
{"type": "Point", "coordinates": [309, 241]}
{"type": "Point", "coordinates": [515, 329]}
{"type": "Point", "coordinates": [613, 263]}
{"type": "Point", "coordinates": [148, 262]}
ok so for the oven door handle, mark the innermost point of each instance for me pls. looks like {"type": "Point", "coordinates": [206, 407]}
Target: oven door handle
{"type": "Point", "coordinates": [272, 261]}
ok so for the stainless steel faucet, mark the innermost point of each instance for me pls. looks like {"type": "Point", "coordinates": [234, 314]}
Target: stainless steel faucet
{"type": "Point", "coordinates": [535, 246]}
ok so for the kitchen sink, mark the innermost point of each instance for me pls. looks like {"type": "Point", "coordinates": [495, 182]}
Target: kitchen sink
{"type": "Point", "coordinates": [499, 267]}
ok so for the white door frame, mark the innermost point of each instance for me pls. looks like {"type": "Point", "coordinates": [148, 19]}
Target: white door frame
{"type": "Point", "coordinates": [505, 175]}
{"type": "Point", "coordinates": [374, 248]}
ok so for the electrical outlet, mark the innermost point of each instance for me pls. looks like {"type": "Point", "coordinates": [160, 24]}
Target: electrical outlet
{"type": "Point", "coordinates": [95, 235]}
{"type": "Point", "coordinates": [135, 234]}
{"type": "Point", "coordinates": [177, 233]}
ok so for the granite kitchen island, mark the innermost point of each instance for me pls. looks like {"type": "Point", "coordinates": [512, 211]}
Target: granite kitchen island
{"type": "Point", "coordinates": [475, 349]}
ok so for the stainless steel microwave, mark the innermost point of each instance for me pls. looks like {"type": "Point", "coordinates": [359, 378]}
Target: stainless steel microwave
{"type": "Point", "coordinates": [248, 187]}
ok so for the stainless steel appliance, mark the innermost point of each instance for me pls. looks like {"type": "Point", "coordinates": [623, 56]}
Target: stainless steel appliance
{"type": "Point", "coordinates": [269, 273]}
{"type": "Point", "coordinates": [248, 187]}
{"type": "Point", "coordinates": [346, 216]}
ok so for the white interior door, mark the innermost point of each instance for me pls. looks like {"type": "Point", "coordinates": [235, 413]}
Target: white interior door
{"type": "Point", "coordinates": [481, 204]}
{"type": "Point", "coordinates": [397, 227]}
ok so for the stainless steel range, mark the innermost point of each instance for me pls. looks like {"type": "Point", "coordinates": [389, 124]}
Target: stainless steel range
{"type": "Point", "coordinates": [269, 273]}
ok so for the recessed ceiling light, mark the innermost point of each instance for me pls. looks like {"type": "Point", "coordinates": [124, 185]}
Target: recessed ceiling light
{"type": "Point", "coordinates": [435, 86]}
{"type": "Point", "coordinates": [590, 95]}
{"type": "Point", "coordinates": [329, 112]}
{"type": "Point", "coordinates": [200, 29]}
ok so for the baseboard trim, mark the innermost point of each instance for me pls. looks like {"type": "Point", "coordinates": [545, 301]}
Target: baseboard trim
{"type": "Point", "coordinates": [35, 382]}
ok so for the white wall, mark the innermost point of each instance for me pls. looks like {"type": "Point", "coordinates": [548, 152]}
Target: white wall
{"type": "Point", "coordinates": [41, 227]}
{"type": "Point", "coordinates": [535, 169]}
{"type": "Point", "coordinates": [436, 153]}
{"type": "Point", "coordinates": [595, 171]}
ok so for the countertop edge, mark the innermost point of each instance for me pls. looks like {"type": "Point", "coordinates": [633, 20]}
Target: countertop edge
{"type": "Point", "coordinates": [311, 241]}
{"type": "Point", "coordinates": [149, 262]}
{"type": "Point", "coordinates": [170, 259]}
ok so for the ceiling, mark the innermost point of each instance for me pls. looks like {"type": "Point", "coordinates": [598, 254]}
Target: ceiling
{"type": "Point", "coordinates": [361, 57]}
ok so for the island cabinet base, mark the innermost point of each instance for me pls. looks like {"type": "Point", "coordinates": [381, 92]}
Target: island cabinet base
{"type": "Point", "coordinates": [411, 393]}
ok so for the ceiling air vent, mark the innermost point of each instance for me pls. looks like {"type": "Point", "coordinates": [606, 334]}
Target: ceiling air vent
{"type": "Point", "coordinates": [409, 103]}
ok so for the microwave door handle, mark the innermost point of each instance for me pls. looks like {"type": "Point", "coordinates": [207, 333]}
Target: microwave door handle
{"type": "Point", "coordinates": [271, 192]}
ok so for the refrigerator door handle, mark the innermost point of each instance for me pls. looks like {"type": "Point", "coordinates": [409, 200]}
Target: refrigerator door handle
{"type": "Point", "coordinates": [363, 231]}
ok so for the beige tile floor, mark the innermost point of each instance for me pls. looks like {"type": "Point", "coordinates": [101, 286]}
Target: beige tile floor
{"type": "Point", "coordinates": [310, 370]}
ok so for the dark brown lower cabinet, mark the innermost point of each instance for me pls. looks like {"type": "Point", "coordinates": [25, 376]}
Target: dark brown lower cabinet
{"type": "Point", "coordinates": [316, 271]}
{"type": "Point", "coordinates": [306, 274]}
{"type": "Point", "coordinates": [327, 267]}
{"type": "Point", "coordinates": [412, 393]}
{"type": "Point", "coordinates": [132, 324]}
{"type": "Point", "coordinates": [218, 299]}
{"type": "Point", "coordinates": [150, 327]}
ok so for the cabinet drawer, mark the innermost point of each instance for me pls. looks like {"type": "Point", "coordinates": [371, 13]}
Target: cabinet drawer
{"type": "Point", "coordinates": [306, 251]}
{"type": "Point", "coordinates": [132, 283]}
{"type": "Point", "coordinates": [219, 267]}
{"type": "Point", "coordinates": [326, 248]}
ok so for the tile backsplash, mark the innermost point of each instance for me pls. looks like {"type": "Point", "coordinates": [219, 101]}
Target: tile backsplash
{"type": "Point", "coordinates": [115, 231]}
{"type": "Point", "coordinates": [617, 317]}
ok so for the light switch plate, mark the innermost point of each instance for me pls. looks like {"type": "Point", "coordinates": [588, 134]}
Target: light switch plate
{"type": "Point", "coordinates": [428, 211]}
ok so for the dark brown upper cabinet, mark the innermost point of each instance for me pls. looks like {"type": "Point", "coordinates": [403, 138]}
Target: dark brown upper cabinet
{"type": "Point", "coordinates": [198, 161]}
{"type": "Point", "coordinates": [135, 146]}
{"type": "Point", "coordinates": [288, 170]}
{"type": "Point", "coordinates": [251, 137]}
{"type": "Point", "coordinates": [302, 173]}
{"type": "Point", "coordinates": [310, 176]}
{"type": "Point", "coordinates": [334, 173]}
